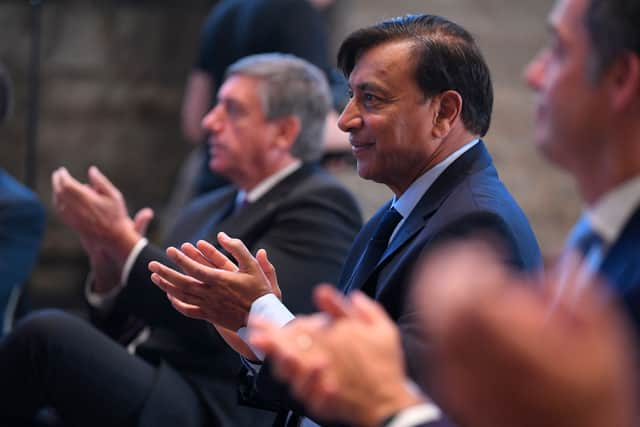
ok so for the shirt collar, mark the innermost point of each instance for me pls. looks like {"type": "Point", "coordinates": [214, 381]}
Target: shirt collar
{"type": "Point", "coordinates": [410, 198]}
{"type": "Point", "coordinates": [612, 211]}
{"type": "Point", "coordinates": [267, 184]}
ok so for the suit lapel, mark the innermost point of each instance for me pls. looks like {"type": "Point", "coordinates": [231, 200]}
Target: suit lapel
{"type": "Point", "coordinates": [620, 267]}
{"type": "Point", "coordinates": [474, 159]}
{"type": "Point", "coordinates": [241, 222]}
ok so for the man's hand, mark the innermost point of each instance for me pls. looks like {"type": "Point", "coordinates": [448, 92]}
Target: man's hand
{"type": "Point", "coordinates": [96, 211]}
{"type": "Point", "coordinates": [107, 273]}
{"type": "Point", "coordinates": [212, 287]}
{"type": "Point", "coordinates": [345, 364]}
{"type": "Point", "coordinates": [507, 352]}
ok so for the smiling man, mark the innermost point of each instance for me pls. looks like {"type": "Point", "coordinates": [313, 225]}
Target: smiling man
{"type": "Point", "coordinates": [421, 101]}
{"type": "Point", "coordinates": [557, 354]}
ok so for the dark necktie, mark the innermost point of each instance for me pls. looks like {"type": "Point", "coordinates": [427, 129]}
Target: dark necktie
{"type": "Point", "coordinates": [376, 247]}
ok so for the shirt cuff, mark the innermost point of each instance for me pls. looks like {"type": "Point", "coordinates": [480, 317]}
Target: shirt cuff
{"type": "Point", "coordinates": [270, 308]}
{"type": "Point", "coordinates": [415, 415]}
{"type": "Point", "coordinates": [104, 301]}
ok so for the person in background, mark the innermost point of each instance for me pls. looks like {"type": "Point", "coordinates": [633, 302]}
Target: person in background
{"type": "Point", "coordinates": [266, 132]}
{"type": "Point", "coordinates": [238, 28]}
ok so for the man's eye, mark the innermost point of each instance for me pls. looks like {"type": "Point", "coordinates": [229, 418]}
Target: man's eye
{"type": "Point", "coordinates": [349, 93]}
{"type": "Point", "coordinates": [369, 97]}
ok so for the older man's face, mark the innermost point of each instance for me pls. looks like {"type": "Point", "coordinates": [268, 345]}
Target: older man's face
{"type": "Point", "coordinates": [569, 104]}
{"type": "Point", "coordinates": [388, 119]}
{"type": "Point", "coordinates": [241, 136]}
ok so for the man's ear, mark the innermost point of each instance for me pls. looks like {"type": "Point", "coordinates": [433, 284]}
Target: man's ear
{"type": "Point", "coordinates": [448, 107]}
{"type": "Point", "coordinates": [623, 78]}
{"type": "Point", "coordinates": [288, 129]}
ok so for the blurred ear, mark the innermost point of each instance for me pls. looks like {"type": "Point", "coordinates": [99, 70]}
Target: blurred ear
{"type": "Point", "coordinates": [448, 106]}
{"type": "Point", "coordinates": [288, 129]}
{"type": "Point", "coordinates": [623, 78]}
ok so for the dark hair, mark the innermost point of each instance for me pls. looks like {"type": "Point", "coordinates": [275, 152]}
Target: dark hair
{"type": "Point", "coordinates": [613, 27]}
{"type": "Point", "coordinates": [447, 58]}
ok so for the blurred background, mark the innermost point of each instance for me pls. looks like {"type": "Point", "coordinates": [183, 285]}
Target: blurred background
{"type": "Point", "coordinates": [101, 82]}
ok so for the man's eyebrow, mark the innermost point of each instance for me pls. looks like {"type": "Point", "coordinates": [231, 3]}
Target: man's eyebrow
{"type": "Point", "coordinates": [364, 86]}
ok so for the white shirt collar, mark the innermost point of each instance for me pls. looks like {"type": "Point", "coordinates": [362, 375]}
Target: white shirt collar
{"type": "Point", "coordinates": [609, 215]}
{"type": "Point", "coordinates": [410, 198]}
{"type": "Point", "coordinates": [268, 183]}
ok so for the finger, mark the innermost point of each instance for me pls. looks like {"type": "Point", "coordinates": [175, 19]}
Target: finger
{"type": "Point", "coordinates": [330, 301]}
{"type": "Point", "coordinates": [366, 309]}
{"type": "Point", "coordinates": [215, 257]}
{"type": "Point", "coordinates": [264, 335]}
{"type": "Point", "coordinates": [324, 395]}
{"type": "Point", "coordinates": [310, 382]}
{"type": "Point", "coordinates": [142, 219]}
{"type": "Point", "coordinates": [174, 282]}
{"type": "Point", "coordinates": [270, 271]}
{"type": "Point", "coordinates": [288, 363]}
{"type": "Point", "coordinates": [70, 190]}
{"type": "Point", "coordinates": [55, 180]}
{"type": "Point", "coordinates": [101, 183]}
{"type": "Point", "coordinates": [189, 310]}
{"type": "Point", "coordinates": [560, 284]}
{"type": "Point", "coordinates": [187, 294]}
{"type": "Point", "coordinates": [192, 252]}
{"type": "Point", "coordinates": [201, 272]}
{"type": "Point", "coordinates": [237, 249]}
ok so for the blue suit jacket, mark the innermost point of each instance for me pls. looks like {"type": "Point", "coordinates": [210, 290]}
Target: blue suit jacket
{"type": "Point", "coordinates": [467, 199]}
{"type": "Point", "coordinates": [621, 268]}
{"type": "Point", "coordinates": [21, 230]}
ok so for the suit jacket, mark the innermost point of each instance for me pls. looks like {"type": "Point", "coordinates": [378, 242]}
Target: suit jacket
{"type": "Point", "coordinates": [306, 223]}
{"type": "Point", "coordinates": [21, 232]}
{"type": "Point", "coordinates": [621, 268]}
{"type": "Point", "coordinates": [467, 198]}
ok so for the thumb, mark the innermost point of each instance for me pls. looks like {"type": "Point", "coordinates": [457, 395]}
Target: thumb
{"type": "Point", "coordinates": [142, 219]}
{"type": "Point", "coordinates": [270, 271]}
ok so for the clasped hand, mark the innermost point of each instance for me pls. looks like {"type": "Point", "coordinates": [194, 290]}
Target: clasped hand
{"type": "Point", "coordinates": [211, 286]}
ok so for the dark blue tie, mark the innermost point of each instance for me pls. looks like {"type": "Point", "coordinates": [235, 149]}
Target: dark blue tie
{"type": "Point", "coordinates": [376, 247]}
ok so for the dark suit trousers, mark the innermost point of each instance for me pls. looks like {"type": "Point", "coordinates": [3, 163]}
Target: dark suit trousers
{"type": "Point", "coordinates": [57, 360]}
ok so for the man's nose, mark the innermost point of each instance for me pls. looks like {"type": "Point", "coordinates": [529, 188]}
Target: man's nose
{"type": "Point", "coordinates": [534, 71]}
{"type": "Point", "coordinates": [350, 118]}
{"type": "Point", "coordinates": [212, 120]}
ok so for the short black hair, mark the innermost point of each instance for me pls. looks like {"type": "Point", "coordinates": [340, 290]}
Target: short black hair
{"type": "Point", "coordinates": [613, 27]}
{"type": "Point", "coordinates": [447, 58]}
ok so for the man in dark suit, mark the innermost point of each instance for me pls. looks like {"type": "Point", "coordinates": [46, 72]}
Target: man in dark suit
{"type": "Point", "coordinates": [421, 101]}
{"type": "Point", "coordinates": [560, 356]}
{"type": "Point", "coordinates": [21, 227]}
{"type": "Point", "coordinates": [265, 137]}
{"type": "Point", "coordinates": [594, 61]}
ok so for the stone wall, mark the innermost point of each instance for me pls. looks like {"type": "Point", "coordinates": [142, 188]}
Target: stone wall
{"type": "Point", "coordinates": [112, 77]}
